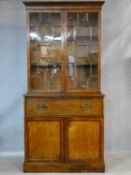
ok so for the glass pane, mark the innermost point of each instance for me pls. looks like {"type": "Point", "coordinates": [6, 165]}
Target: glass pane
{"type": "Point", "coordinates": [82, 48]}
{"type": "Point", "coordinates": [45, 51]}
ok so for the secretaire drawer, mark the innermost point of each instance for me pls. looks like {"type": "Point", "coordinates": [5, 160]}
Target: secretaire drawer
{"type": "Point", "coordinates": [65, 107]}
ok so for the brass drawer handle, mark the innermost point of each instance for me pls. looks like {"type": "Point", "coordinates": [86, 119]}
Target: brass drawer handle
{"type": "Point", "coordinates": [42, 106]}
{"type": "Point", "coordinates": [85, 106]}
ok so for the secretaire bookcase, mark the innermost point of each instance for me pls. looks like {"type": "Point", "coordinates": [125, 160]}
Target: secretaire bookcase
{"type": "Point", "coordinates": [64, 120]}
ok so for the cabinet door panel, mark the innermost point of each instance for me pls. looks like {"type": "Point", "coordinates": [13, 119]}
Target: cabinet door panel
{"type": "Point", "coordinates": [82, 51]}
{"type": "Point", "coordinates": [45, 51]}
{"type": "Point", "coordinates": [45, 140]}
{"type": "Point", "coordinates": [84, 140]}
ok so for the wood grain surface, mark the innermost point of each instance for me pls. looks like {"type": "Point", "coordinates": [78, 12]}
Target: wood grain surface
{"type": "Point", "coordinates": [83, 140]}
{"type": "Point", "coordinates": [64, 107]}
{"type": "Point", "coordinates": [44, 139]}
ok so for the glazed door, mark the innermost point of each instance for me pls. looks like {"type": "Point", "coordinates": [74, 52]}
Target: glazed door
{"type": "Point", "coordinates": [45, 55]}
{"type": "Point", "coordinates": [44, 139]}
{"type": "Point", "coordinates": [84, 138]}
{"type": "Point", "coordinates": [82, 51]}
{"type": "Point", "coordinates": [63, 51]}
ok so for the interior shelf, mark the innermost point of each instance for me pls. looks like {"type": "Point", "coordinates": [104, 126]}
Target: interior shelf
{"type": "Point", "coordinates": [55, 65]}
{"type": "Point", "coordinates": [83, 38]}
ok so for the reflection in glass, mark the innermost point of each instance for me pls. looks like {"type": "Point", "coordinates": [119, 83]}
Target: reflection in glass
{"type": "Point", "coordinates": [45, 46]}
{"type": "Point", "coordinates": [82, 46]}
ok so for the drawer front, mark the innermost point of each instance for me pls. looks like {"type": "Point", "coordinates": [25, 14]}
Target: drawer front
{"type": "Point", "coordinates": [64, 107]}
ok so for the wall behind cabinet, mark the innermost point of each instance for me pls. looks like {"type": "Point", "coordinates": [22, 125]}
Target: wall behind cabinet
{"type": "Point", "coordinates": [116, 74]}
{"type": "Point", "coordinates": [12, 75]}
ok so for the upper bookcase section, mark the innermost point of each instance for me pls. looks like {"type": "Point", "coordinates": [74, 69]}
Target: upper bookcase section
{"type": "Point", "coordinates": [64, 46]}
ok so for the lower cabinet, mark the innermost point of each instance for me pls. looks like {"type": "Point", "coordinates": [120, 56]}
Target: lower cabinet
{"type": "Point", "coordinates": [63, 139]}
